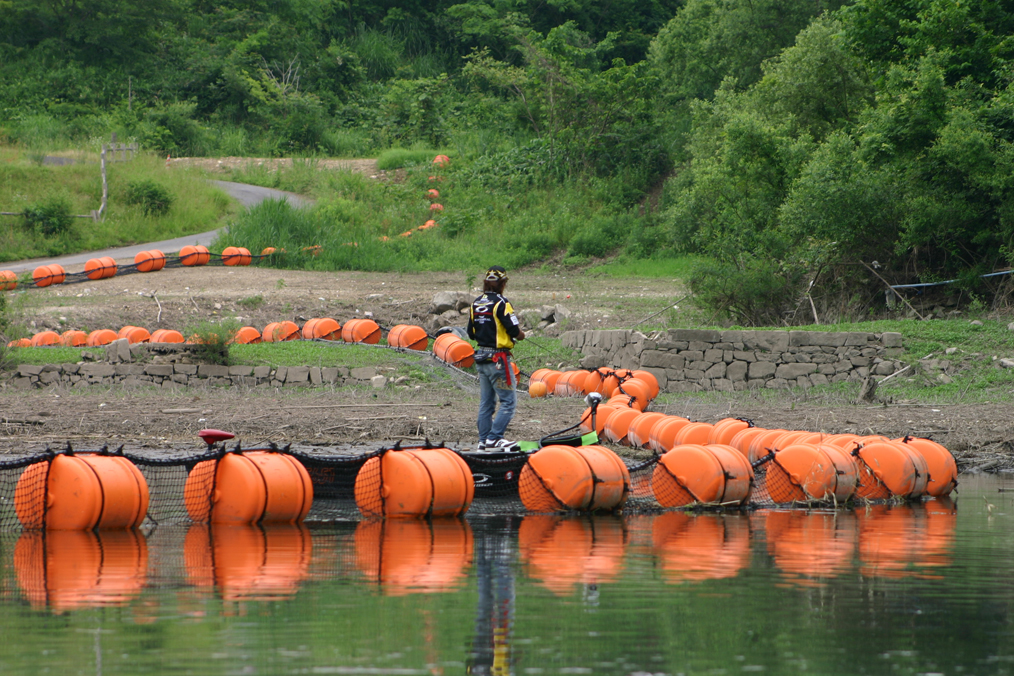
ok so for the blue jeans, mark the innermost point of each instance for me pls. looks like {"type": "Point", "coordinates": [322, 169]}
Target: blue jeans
{"type": "Point", "coordinates": [492, 386]}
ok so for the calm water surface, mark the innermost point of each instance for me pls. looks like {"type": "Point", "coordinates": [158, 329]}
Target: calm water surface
{"type": "Point", "coordinates": [924, 589]}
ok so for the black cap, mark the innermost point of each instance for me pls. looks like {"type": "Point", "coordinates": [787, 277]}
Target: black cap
{"type": "Point", "coordinates": [495, 274]}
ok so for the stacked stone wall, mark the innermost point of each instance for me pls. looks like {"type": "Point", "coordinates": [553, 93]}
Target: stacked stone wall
{"type": "Point", "coordinates": [168, 376]}
{"type": "Point", "coordinates": [686, 360]}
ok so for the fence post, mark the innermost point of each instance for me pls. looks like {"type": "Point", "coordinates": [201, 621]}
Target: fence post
{"type": "Point", "coordinates": [105, 188]}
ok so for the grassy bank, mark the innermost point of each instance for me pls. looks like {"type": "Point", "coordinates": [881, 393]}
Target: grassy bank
{"type": "Point", "coordinates": [195, 207]}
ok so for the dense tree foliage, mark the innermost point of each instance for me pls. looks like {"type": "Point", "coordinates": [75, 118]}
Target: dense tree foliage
{"type": "Point", "coordinates": [799, 140]}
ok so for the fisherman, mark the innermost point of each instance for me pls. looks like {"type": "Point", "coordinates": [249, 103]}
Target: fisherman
{"type": "Point", "coordinates": [494, 326]}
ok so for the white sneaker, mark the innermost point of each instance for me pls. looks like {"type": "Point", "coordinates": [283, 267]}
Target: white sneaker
{"type": "Point", "coordinates": [480, 447]}
{"type": "Point", "coordinates": [500, 446]}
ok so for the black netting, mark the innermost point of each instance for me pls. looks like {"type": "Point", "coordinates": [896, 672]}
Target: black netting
{"type": "Point", "coordinates": [23, 491]}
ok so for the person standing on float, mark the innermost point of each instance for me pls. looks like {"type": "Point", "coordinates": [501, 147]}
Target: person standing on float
{"type": "Point", "coordinates": [493, 325]}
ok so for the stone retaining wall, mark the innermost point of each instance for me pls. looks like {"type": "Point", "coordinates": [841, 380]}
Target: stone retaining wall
{"type": "Point", "coordinates": [686, 360]}
{"type": "Point", "coordinates": [183, 375]}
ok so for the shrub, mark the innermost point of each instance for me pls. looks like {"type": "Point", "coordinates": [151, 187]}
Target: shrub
{"type": "Point", "coordinates": [50, 217]}
{"type": "Point", "coordinates": [756, 292]}
{"type": "Point", "coordinates": [154, 199]}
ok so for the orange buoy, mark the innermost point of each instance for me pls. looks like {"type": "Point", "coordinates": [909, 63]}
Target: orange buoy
{"type": "Point", "coordinates": [801, 473]}
{"type": "Point", "coordinates": [762, 444]}
{"type": "Point", "coordinates": [73, 338]}
{"type": "Point", "coordinates": [624, 401]}
{"type": "Point", "coordinates": [569, 383]}
{"type": "Point", "coordinates": [231, 256]}
{"type": "Point", "coordinates": [45, 339]}
{"type": "Point", "coordinates": [362, 331]}
{"type": "Point", "coordinates": [662, 436]}
{"type": "Point", "coordinates": [441, 161]}
{"type": "Point", "coordinates": [694, 433]}
{"type": "Point", "coordinates": [452, 350]}
{"type": "Point", "coordinates": [846, 442]}
{"type": "Point", "coordinates": [100, 268]}
{"type": "Point", "coordinates": [414, 556]}
{"type": "Point", "coordinates": [638, 389]}
{"type": "Point", "coordinates": [249, 487]}
{"type": "Point", "coordinates": [203, 255]}
{"type": "Point", "coordinates": [20, 342]}
{"type": "Point", "coordinates": [8, 280]}
{"type": "Point", "coordinates": [567, 477]}
{"type": "Point", "coordinates": [536, 389]}
{"type": "Point", "coordinates": [414, 482]}
{"type": "Point", "coordinates": [694, 473]}
{"type": "Point", "coordinates": [323, 328]}
{"type": "Point", "coordinates": [889, 469]}
{"type": "Point", "coordinates": [166, 336]}
{"type": "Point", "coordinates": [101, 337]}
{"type": "Point", "coordinates": [640, 429]}
{"type": "Point", "coordinates": [109, 267]}
{"type": "Point", "coordinates": [943, 471]}
{"type": "Point", "coordinates": [246, 562]}
{"type": "Point", "coordinates": [278, 332]}
{"type": "Point", "coordinates": [145, 261]}
{"type": "Point", "coordinates": [81, 492]}
{"type": "Point", "coordinates": [247, 335]}
{"type": "Point", "coordinates": [42, 276]}
{"type": "Point", "coordinates": [650, 380]}
{"type": "Point", "coordinates": [268, 250]}
{"type": "Point", "coordinates": [157, 260]}
{"type": "Point", "coordinates": [408, 336]}
{"type": "Point", "coordinates": [549, 378]}
{"type": "Point", "coordinates": [601, 418]}
{"type": "Point", "coordinates": [71, 570]}
{"type": "Point", "coordinates": [741, 440]}
{"type": "Point", "coordinates": [726, 429]}
{"type": "Point", "coordinates": [190, 256]}
{"type": "Point", "coordinates": [619, 424]}
{"type": "Point", "coordinates": [135, 334]}
{"type": "Point", "coordinates": [561, 552]}
{"type": "Point", "coordinates": [846, 469]}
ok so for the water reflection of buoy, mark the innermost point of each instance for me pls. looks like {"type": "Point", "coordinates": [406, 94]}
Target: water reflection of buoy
{"type": "Point", "coordinates": [67, 570]}
{"type": "Point", "coordinates": [414, 556]}
{"type": "Point", "coordinates": [808, 545]}
{"type": "Point", "coordinates": [255, 563]}
{"type": "Point", "coordinates": [897, 541]}
{"type": "Point", "coordinates": [692, 548]}
{"type": "Point", "coordinates": [562, 552]}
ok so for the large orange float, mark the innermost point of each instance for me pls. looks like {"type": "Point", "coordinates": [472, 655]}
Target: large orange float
{"type": "Point", "coordinates": [414, 482]}
{"type": "Point", "coordinates": [81, 492]}
{"type": "Point", "coordinates": [890, 469]}
{"type": "Point", "coordinates": [414, 556]}
{"type": "Point", "coordinates": [249, 487]}
{"type": "Point", "coordinates": [277, 332]}
{"type": "Point", "coordinates": [452, 350]}
{"type": "Point", "coordinates": [695, 474]}
{"type": "Point", "coordinates": [322, 328]}
{"type": "Point", "coordinates": [408, 336]}
{"type": "Point", "coordinates": [583, 478]}
{"type": "Point", "coordinates": [361, 331]}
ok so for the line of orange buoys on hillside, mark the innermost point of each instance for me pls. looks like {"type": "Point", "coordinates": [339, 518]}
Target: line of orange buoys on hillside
{"type": "Point", "coordinates": [71, 570]}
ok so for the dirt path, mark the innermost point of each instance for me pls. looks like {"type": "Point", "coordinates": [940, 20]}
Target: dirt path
{"type": "Point", "coordinates": [247, 195]}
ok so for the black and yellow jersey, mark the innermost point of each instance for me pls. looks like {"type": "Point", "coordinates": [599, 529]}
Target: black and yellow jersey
{"type": "Point", "coordinates": [492, 322]}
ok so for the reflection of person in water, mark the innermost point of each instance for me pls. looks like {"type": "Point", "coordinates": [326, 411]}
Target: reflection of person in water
{"type": "Point", "coordinates": [494, 617]}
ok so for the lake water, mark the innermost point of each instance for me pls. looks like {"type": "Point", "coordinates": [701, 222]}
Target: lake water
{"type": "Point", "coordinates": [920, 589]}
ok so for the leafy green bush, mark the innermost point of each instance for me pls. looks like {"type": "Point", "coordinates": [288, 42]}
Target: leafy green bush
{"type": "Point", "coordinates": [49, 217]}
{"type": "Point", "coordinates": [153, 198]}
{"type": "Point", "coordinates": [756, 292]}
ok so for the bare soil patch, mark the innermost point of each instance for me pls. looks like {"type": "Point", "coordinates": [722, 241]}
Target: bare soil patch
{"type": "Point", "coordinates": [978, 434]}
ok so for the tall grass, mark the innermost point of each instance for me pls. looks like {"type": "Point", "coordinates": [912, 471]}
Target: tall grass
{"type": "Point", "coordinates": [396, 158]}
{"type": "Point", "coordinates": [198, 206]}
{"type": "Point", "coordinates": [359, 224]}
